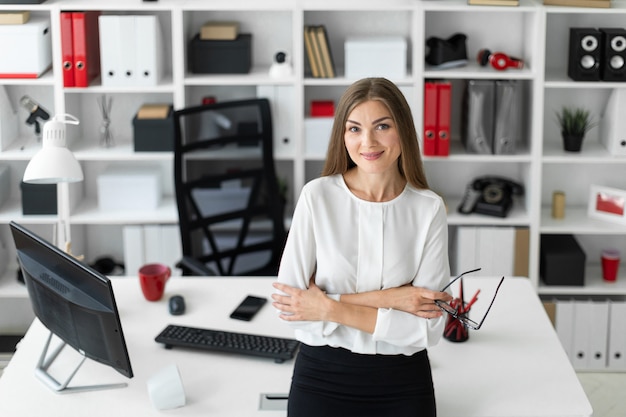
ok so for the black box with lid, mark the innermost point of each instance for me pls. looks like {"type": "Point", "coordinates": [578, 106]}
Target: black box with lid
{"type": "Point", "coordinates": [39, 198]}
{"type": "Point", "coordinates": [154, 135]}
{"type": "Point", "coordinates": [220, 56]}
{"type": "Point", "coordinates": [562, 260]}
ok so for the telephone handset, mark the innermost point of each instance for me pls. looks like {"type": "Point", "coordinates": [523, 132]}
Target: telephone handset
{"type": "Point", "coordinates": [490, 195]}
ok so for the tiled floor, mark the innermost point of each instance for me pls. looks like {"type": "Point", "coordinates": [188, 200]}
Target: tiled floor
{"type": "Point", "coordinates": [605, 392]}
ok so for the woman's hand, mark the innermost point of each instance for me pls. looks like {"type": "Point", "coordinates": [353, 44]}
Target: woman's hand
{"type": "Point", "coordinates": [310, 304]}
{"type": "Point", "coordinates": [416, 300]}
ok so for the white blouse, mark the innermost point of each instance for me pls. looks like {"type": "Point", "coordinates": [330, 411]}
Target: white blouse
{"type": "Point", "coordinates": [353, 246]}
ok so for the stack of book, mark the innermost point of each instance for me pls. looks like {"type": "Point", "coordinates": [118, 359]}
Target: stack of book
{"type": "Point", "coordinates": [578, 3]}
{"type": "Point", "coordinates": [318, 52]}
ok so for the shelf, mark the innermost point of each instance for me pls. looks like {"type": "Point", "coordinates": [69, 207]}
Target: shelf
{"type": "Point", "coordinates": [89, 213]}
{"type": "Point", "coordinates": [576, 221]}
{"type": "Point", "coordinates": [592, 152]}
{"type": "Point", "coordinates": [594, 286]}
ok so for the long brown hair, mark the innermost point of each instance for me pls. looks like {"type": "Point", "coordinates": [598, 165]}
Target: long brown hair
{"type": "Point", "coordinates": [379, 89]}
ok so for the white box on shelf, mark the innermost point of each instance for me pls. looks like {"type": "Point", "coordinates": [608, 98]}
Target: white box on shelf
{"type": "Point", "coordinates": [26, 49]}
{"type": "Point", "coordinates": [317, 134]}
{"type": "Point", "coordinates": [129, 188]}
{"type": "Point", "coordinates": [376, 56]}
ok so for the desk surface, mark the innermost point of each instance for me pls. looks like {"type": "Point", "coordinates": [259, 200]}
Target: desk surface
{"type": "Point", "coordinates": [514, 366]}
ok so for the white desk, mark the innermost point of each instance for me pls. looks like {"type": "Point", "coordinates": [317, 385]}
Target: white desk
{"type": "Point", "coordinates": [513, 366]}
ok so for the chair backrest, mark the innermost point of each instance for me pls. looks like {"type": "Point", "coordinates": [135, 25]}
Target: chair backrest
{"type": "Point", "coordinates": [231, 211]}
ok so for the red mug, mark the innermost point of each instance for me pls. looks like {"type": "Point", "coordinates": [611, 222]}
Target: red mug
{"type": "Point", "coordinates": [610, 264]}
{"type": "Point", "coordinates": [152, 278]}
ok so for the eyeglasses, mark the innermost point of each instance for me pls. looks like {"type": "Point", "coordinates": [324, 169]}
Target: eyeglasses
{"type": "Point", "coordinates": [462, 316]}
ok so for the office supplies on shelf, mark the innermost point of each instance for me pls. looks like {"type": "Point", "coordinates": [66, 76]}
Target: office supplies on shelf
{"type": "Point", "coordinates": [477, 135]}
{"type": "Point", "coordinates": [86, 47]}
{"type": "Point", "coordinates": [67, 49]}
{"type": "Point", "coordinates": [430, 119]}
{"type": "Point", "coordinates": [437, 102]}
{"type": "Point", "coordinates": [130, 50]}
{"type": "Point", "coordinates": [444, 100]}
{"type": "Point", "coordinates": [277, 348]}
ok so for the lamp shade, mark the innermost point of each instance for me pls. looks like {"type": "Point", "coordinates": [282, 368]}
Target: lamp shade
{"type": "Point", "coordinates": [54, 163]}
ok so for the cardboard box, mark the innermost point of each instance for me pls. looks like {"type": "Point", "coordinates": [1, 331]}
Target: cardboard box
{"type": "Point", "coordinates": [390, 54]}
{"type": "Point", "coordinates": [129, 188]}
{"type": "Point", "coordinates": [14, 17]}
{"type": "Point", "coordinates": [562, 260]}
{"type": "Point", "coordinates": [26, 50]}
{"type": "Point", "coordinates": [317, 135]}
{"type": "Point", "coordinates": [221, 57]}
{"type": "Point", "coordinates": [39, 198]}
{"type": "Point", "coordinates": [154, 134]}
{"type": "Point", "coordinates": [226, 31]}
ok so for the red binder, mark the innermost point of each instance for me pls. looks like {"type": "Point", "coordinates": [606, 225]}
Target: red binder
{"type": "Point", "coordinates": [67, 49]}
{"type": "Point", "coordinates": [430, 118]}
{"type": "Point", "coordinates": [444, 93]}
{"type": "Point", "coordinates": [86, 47]}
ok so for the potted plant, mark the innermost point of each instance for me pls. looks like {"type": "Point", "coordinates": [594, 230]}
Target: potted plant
{"type": "Point", "coordinates": [574, 123]}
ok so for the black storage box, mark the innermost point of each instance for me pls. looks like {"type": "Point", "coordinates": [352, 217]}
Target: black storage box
{"type": "Point", "coordinates": [39, 198]}
{"type": "Point", "coordinates": [221, 56]}
{"type": "Point", "coordinates": [154, 135]}
{"type": "Point", "coordinates": [562, 260]}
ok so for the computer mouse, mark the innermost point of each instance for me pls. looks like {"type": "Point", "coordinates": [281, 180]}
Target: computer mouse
{"type": "Point", "coordinates": [176, 305]}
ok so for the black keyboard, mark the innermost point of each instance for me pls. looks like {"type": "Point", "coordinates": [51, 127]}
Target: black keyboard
{"type": "Point", "coordinates": [277, 348]}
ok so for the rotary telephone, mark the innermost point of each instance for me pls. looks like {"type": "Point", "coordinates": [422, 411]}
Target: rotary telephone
{"type": "Point", "coordinates": [490, 195]}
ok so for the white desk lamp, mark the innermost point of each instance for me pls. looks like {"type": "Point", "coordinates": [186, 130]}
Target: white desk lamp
{"type": "Point", "coordinates": [55, 164]}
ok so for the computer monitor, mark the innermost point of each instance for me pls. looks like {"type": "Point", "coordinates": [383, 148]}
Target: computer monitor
{"type": "Point", "coordinates": [76, 303]}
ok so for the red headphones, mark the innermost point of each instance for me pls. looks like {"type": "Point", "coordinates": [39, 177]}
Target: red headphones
{"type": "Point", "coordinates": [498, 60]}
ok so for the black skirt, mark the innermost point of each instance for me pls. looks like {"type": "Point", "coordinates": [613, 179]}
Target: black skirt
{"type": "Point", "coordinates": [336, 382]}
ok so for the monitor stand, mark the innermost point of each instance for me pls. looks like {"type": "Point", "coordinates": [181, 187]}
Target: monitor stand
{"type": "Point", "coordinates": [41, 371]}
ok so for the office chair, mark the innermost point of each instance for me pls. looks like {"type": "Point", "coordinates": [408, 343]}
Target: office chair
{"type": "Point", "coordinates": [231, 211]}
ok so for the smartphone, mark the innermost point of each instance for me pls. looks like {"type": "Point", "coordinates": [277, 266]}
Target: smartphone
{"type": "Point", "coordinates": [248, 308]}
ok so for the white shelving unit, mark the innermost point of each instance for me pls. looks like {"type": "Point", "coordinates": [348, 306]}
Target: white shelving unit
{"type": "Point", "coordinates": [533, 32]}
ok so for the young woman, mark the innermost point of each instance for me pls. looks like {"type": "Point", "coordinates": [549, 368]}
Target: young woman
{"type": "Point", "coordinates": [365, 257]}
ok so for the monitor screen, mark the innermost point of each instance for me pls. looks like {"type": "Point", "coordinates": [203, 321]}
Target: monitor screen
{"type": "Point", "coordinates": [75, 302]}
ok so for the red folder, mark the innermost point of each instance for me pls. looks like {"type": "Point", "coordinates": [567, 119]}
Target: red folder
{"type": "Point", "coordinates": [430, 118]}
{"type": "Point", "coordinates": [67, 49]}
{"type": "Point", "coordinates": [86, 47]}
{"type": "Point", "coordinates": [444, 93]}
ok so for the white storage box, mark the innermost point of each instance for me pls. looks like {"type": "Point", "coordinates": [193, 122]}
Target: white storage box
{"type": "Point", "coordinates": [129, 188]}
{"type": "Point", "coordinates": [376, 56]}
{"type": "Point", "coordinates": [25, 50]}
{"type": "Point", "coordinates": [317, 135]}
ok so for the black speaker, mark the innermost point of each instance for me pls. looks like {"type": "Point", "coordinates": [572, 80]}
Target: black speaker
{"type": "Point", "coordinates": [613, 58]}
{"type": "Point", "coordinates": [585, 46]}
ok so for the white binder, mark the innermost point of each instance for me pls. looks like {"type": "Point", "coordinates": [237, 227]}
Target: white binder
{"type": "Point", "coordinates": [616, 355]}
{"type": "Point", "coordinates": [283, 115]}
{"type": "Point", "coordinates": [580, 341]}
{"type": "Point", "coordinates": [147, 50]}
{"type": "Point", "coordinates": [8, 120]}
{"type": "Point", "coordinates": [598, 334]}
{"type": "Point", "coordinates": [110, 54]}
{"type": "Point", "coordinates": [564, 325]}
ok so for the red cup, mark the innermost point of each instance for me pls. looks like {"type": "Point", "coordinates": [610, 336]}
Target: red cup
{"type": "Point", "coordinates": [152, 278]}
{"type": "Point", "coordinates": [610, 264]}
